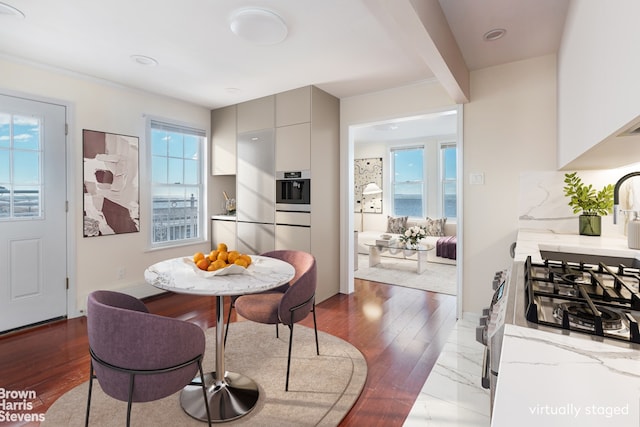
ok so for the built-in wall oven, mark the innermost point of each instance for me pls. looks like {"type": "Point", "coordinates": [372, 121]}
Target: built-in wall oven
{"type": "Point", "coordinates": [293, 191]}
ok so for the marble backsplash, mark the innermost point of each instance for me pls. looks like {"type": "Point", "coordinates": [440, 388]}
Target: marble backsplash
{"type": "Point", "coordinates": [543, 205]}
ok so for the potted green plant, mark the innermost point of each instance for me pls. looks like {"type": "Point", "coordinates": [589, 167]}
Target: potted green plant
{"type": "Point", "coordinates": [588, 202]}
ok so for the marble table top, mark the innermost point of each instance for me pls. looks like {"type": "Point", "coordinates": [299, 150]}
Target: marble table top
{"type": "Point", "coordinates": [181, 276]}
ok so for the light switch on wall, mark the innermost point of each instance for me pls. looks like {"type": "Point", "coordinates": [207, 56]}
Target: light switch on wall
{"type": "Point", "coordinates": [476, 178]}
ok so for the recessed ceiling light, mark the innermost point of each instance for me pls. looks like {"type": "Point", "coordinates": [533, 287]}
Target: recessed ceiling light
{"type": "Point", "coordinates": [147, 61]}
{"type": "Point", "coordinates": [494, 34]}
{"type": "Point", "coordinates": [258, 26]}
{"type": "Point", "coordinates": [232, 90]}
{"type": "Point", "coordinates": [6, 9]}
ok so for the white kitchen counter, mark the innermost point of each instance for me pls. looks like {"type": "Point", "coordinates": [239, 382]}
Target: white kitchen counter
{"type": "Point", "coordinates": [531, 241]}
{"type": "Point", "coordinates": [548, 379]}
{"type": "Point", "coordinates": [555, 379]}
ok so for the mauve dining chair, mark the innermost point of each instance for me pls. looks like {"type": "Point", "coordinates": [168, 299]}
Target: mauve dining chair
{"type": "Point", "coordinates": [288, 304]}
{"type": "Point", "coordinates": [137, 356]}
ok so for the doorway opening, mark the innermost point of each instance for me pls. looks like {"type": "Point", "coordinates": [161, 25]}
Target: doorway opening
{"type": "Point", "coordinates": [416, 165]}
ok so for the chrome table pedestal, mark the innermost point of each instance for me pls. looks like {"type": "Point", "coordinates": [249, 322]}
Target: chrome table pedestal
{"type": "Point", "coordinates": [230, 395]}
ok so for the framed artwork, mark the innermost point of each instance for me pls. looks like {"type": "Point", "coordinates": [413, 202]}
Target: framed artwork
{"type": "Point", "coordinates": [368, 179]}
{"type": "Point", "coordinates": [110, 183]}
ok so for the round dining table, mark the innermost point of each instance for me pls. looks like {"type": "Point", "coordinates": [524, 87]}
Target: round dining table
{"type": "Point", "coordinates": [230, 394]}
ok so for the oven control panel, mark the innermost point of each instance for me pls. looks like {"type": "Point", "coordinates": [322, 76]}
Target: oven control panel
{"type": "Point", "coordinates": [493, 316]}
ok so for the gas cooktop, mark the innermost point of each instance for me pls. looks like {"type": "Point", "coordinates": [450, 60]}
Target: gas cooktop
{"type": "Point", "coordinates": [585, 298]}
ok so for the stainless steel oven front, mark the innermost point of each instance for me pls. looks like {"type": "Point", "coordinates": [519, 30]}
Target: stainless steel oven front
{"type": "Point", "coordinates": [293, 191]}
{"type": "Point", "coordinates": [491, 329]}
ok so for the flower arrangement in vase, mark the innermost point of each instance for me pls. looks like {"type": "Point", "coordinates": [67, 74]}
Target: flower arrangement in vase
{"type": "Point", "coordinates": [411, 236]}
{"type": "Point", "coordinates": [589, 203]}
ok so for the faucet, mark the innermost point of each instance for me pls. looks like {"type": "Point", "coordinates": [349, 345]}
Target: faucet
{"type": "Point", "coordinates": [616, 197]}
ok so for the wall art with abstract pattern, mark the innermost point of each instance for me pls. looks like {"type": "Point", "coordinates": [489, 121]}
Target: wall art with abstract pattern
{"type": "Point", "coordinates": [111, 183]}
{"type": "Point", "coordinates": [367, 171]}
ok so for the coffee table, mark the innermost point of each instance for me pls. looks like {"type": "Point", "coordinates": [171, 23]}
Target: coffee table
{"type": "Point", "coordinates": [395, 247]}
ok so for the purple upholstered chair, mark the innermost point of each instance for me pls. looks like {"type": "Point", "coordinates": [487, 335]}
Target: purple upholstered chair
{"type": "Point", "coordinates": [288, 304]}
{"type": "Point", "coordinates": [138, 356]}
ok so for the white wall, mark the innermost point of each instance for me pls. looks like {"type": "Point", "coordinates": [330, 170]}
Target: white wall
{"type": "Point", "coordinates": [598, 69]}
{"type": "Point", "coordinates": [102, 106]}
{"type": "Point", "coordinates": [509, 127]}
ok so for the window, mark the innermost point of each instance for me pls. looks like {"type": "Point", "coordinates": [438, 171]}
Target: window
{"type": "Point", "coordinates": [408, 181]}
{"type": "Point", "coordinates": [176, 183]}
{"type": "Point", "coordinates": [448, 180]}
{"type": "Point", "coordinates": [20, 167]}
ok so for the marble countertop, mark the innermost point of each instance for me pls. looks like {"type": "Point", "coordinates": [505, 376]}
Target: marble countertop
{"type": "Point", "coordinates": [548, 379]}
{"type": "Point", "coordinates": [530, 242]}
{"type": "Point", "coordinates": [224, 217]}
{"type": "Point", "coordinates": [555, 379]}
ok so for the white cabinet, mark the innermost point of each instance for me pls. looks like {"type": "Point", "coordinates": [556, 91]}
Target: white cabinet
{"type": "Point", "coordinates": [293, 237]}
{"type": "Point", "coordinates": [223, 141]}
{"type": "Point", "coordinates": [223, 231]}
{"type": "Point", "coordinates": [293, 147]}
{"type": "Point", "coordinates": [255, 181]}
{"type": "Point", "coordinates": [255, 238]}
{"type": "Point", "coordinates": [256, 114]}
{"type": "Point", "coordinates": [293, 106]}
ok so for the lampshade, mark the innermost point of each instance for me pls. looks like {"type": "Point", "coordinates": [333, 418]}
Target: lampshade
{"type": "Point", "coordinates": [371, 188]}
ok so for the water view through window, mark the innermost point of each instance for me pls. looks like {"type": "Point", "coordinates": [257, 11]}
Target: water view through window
{"type": "Point", "coordinates": [408, 185]}
{"type": "Point", "coordinates": [20, 167]}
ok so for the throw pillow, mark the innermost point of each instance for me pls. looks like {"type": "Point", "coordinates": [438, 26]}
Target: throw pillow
{"type": "Point", "coordinates": [435, 227]}
{"type": "Point", "coordinates": [396, 225]}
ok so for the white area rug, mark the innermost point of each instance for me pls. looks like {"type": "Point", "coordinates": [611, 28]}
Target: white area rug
{"type": "Point", "coordinates": [402, 272]}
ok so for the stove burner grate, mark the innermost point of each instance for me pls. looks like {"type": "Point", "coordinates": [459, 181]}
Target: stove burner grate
{"type": "Point", "coordinates": [581, 315]}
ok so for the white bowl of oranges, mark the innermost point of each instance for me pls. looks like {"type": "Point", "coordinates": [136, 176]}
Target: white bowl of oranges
{"type": "Point", "coordinates": [220, 261]}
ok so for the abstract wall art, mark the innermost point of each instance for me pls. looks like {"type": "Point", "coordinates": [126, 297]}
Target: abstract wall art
{"type": "Point", "coordinates": [367, 171]}
{"type": "Point", "coordinates": [111, 183]}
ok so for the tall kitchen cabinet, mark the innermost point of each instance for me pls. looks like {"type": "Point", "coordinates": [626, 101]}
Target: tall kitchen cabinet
{"type": "Point", "coordinates": [255, 176]}
{"type": "Point", "coordinates": [308, 138]}
{"type": "Point", "coordinates": [304, 125]}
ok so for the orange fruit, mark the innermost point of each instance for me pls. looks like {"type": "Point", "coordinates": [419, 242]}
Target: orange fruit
{"type": "Point", "coordinates": [241, 262]}
{"type": "Point", "coordinates": [223, 256]}
{"type": "Point", "coordinates": [247, 258]}
{"type": "Point", "coordinates": [233, 256]}
{"type": "Point", "coordinates": [197, 257]}
{"type": "Point", "coordinates": [222, 247]}
{"type": "Point", "coordinates": [218, 264]}
{"type": "Point", "coordinates": [203, 264]}
{"type": "Point", "coordinates": [213, 255]}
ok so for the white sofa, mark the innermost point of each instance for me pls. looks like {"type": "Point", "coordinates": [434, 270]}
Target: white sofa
{"type": "Point", "coordinates": [370, 236]}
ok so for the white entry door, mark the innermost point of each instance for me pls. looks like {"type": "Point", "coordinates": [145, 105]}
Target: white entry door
{"type": "Point", "coordinates": [33, 233]}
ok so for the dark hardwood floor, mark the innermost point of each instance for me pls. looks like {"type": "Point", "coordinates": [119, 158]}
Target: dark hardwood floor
{"type": "Point", "coordinates": [399, 331]}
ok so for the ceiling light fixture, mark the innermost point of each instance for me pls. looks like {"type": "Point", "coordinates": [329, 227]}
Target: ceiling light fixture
{"type": "Point", "coordinates": [6, 9]}
{"type": "Point", "coordinates": [146, 61]}
{"type": "Point", "coordinates": [259, 26]}
{"type": "Point", "coordinates": [495, 34]}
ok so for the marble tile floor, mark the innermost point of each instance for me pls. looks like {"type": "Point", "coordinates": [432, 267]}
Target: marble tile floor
{"type": "Point", "coordinates": [452, 394]}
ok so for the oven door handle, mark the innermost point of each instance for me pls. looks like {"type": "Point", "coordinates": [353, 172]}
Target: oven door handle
{"type": "Point", "coordinates": [486, 381]}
